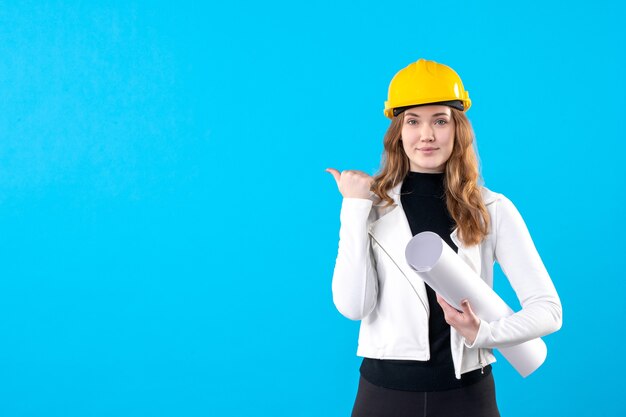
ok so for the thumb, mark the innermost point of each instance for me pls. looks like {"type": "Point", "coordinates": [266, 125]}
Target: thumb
{"type": "Point", "coordinates": [465, 305]}
{"type": "Point", "coordinates": [336, 174]}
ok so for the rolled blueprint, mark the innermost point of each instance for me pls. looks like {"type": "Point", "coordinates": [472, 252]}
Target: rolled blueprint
{"type": "Point", "coordinates": [446, 273]}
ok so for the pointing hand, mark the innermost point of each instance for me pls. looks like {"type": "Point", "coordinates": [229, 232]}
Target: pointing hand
{"type": "Point", "coordinates": [352, 183]}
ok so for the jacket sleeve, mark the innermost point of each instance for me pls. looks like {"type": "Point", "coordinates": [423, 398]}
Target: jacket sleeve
{"type": "Point", "coordinates": [355, 282]}
{"type": "Point", "coordinates": [541, 312]}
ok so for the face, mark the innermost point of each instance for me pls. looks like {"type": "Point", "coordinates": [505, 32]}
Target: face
{"type": "Point", "coordinates": [428, 137]}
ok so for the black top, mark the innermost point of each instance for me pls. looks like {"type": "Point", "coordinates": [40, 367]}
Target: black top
{"type": "Point", "coordinates": [423, 199]}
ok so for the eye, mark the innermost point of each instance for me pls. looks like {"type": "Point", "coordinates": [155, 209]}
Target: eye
{"type": "Point", "coordinates": [441, 120]}
{"type": "Point", "coordinates": [411, 122]}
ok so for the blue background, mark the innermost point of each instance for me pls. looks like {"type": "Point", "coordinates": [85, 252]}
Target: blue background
{"type": "Point", "coordinates": [168, 233]}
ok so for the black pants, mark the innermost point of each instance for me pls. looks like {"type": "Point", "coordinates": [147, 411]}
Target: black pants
{"type": "Point", "coordinates": [476, 400]}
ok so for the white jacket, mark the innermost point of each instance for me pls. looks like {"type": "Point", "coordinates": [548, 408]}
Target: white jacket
{"type": "Point", "coordinates": [372, 282]}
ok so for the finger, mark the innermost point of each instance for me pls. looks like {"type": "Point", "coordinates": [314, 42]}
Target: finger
{"type": "Point", "coordinates": [335, 174]}
{"type": "Point", "coordinates": [450, 314]}
{"type": "Point", "coordinates": [440, 300]}
{"type": "Point", "coordinates": [444, 303]}
{"type": "Point", "coordinates": [467, 309]}
{"type": "Point", "coordinates": [447, 308]}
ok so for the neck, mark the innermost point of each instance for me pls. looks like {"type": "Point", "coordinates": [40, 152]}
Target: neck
{"type": "Point", "coordinates": [425, 183]}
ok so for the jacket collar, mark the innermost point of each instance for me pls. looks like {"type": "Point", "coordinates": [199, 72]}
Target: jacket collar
{"type": "Point", "coordinates": [392, 233]}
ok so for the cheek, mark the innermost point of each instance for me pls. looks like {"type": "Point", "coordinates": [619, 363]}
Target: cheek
{"type": "Point", "coordinates": [406, 139]}
{"type": "Point", "coordinates": [404, 134]}
{"type": "Point", "coordinates": [449, 140]}
{"type": "Point", "coordinates": [447, 144]}
{"type": "Point", "coordinates": [406, 146]}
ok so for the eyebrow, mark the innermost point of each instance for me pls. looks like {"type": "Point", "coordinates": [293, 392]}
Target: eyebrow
{"type": "Point", "coordinates": [434, 115]}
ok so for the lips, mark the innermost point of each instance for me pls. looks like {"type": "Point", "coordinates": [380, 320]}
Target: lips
{"type": "Point", "coordinates": [427, 149]}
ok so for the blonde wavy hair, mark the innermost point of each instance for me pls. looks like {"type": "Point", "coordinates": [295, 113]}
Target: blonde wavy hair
{"type": "Point", "coordinates": [463, 193]}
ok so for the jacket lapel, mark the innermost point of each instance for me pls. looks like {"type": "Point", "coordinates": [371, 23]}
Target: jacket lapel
{"type": "Point", "coordinates": [392, 233]}
{"type": "Point", "coordinates": [470, 254]}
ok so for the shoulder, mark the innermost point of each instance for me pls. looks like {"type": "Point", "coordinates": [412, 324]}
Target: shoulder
{"type": "Point", "coordinates": [490, 196]}
{"type": "Point", "coordinates": [504, 210]}
{"type": "Point", "coordinates": [498, 202]}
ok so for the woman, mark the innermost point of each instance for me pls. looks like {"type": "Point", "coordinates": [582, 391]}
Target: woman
{"type": "Point", "coordinates": [421, 356]}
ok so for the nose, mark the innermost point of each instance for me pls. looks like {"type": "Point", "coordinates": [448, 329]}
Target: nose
{"type": "Point", "coordinates": [427, 133]}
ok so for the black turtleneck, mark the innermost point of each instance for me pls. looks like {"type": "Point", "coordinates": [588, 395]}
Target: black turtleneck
{"type": "Point", "coordinates": [423, 199]}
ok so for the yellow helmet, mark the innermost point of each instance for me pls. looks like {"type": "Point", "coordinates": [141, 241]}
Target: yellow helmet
{"type": "Point", "coordinates": [425, 82]}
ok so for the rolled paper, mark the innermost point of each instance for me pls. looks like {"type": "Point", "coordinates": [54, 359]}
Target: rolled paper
{"type": "Point", "coordinates": [447, 274]}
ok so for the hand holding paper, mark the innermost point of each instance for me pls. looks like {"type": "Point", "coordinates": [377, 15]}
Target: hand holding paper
{"type": "Point", "coordinates": [465, 322]}
{"type": "Point", "coordinates": [446, 273]}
